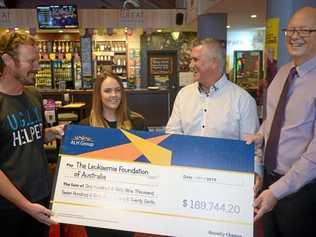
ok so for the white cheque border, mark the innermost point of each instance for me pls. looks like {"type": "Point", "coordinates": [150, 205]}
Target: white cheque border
{"type": "Point", "coordinates": [168, 200]}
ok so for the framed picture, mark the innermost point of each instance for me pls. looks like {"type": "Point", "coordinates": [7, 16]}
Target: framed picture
{"type": "Point", "coordinates": [248, 70]}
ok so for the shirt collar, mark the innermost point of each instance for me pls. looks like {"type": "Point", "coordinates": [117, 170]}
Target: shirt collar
{"type": "Point", "coordinates": [306, 67]}
{"type": "Point", "coordinates": [217, 86]}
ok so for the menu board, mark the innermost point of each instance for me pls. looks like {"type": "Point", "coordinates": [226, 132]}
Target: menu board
{"type": "Point", "coordinates": [86, 56]}
{"type": "Point", "coordinates": [161, 65]}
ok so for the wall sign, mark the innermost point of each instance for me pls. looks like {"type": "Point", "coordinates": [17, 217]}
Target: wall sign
{"type": "Point", "coordinates": [86, 56]}
{"type": "Point", "coordinates": [161, 65]}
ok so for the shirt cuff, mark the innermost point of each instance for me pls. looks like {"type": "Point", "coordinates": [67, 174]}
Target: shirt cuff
{"type": "Point", "coordinates": [279, 189]}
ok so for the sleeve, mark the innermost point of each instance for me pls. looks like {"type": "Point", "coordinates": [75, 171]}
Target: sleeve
{"type": "Point", "coordinates": [85, 121]}
{"type": "Point", "coordinates": [249, 124]}
{"type": "Point", "coordinates": [141, 124]}
{"type": "Point", "coordinates": [174, 124]}
{"type": "Point", "coordinates": [302, 172]}
{"type": "Point", "coordinates": [37, 94]}
{"type": "Point", "coordinates": [145, 126]}
{"type": "Point", "coordinates": [138, 121]}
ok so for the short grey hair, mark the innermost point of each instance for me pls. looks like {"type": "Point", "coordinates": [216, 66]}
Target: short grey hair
{"type": "Point", "coordinates": [216, 49]}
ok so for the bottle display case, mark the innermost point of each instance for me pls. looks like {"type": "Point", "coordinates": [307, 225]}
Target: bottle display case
{"type": "Point", "coordinates": [44, 76]}
{"type": "Point", "coordinates": [111, 56]}
{"type": "Point", "coordinates": [62, 74]}
{"type": "Point", "coordinates": [56, 58]}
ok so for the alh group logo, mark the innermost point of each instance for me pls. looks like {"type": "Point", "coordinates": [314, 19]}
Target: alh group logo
{"type": "Point", "coordinates": [82, 141]}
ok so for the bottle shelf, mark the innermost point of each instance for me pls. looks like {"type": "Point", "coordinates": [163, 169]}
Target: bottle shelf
{"type": "Point", "coordinates": [111, 56]}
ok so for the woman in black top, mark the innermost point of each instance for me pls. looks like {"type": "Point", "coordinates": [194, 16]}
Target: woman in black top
{"type": "Point", "coordinates": [109, 106]}
{"type": "Point", "coordinates": [109, 109]}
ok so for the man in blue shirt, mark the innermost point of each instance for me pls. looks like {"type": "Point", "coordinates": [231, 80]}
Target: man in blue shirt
{"type": "Point", "coordinates": [288, 202]}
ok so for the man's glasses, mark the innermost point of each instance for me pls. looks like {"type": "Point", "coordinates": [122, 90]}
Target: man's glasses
{"type": "Point", "coordinates": [300, 32]}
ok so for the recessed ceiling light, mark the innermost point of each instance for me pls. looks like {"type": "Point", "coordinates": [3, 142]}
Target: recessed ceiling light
{"type": "Point", "coordinates": [228, 26]}
{"type": "Point", "coordinates": [253, 16]}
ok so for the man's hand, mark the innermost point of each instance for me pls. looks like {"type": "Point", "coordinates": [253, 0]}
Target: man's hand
{"type": "Point", "coordinates": [264, 203]}
{"type": "Point", "coordinates": [256, 138]}
{"type": "Point", "coordinates": [258, 184]}
{"type": "Point", "coordinates": [52, 133]}
{"type": "Point", "coordinates": [40, 213]}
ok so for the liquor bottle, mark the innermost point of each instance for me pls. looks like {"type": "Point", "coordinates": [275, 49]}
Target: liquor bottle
{"type": "Point", "coordinates": [49, 46]}
{"type": "Point", "coordinates": [102, 47]}
{"type": "Point", "coordinates": [54, 47]}
{"type": "Point", "coordinates": [45, 50]}
{"type": "Point", "coordinates": [40, 47]}
{"type": "Point", "coordinates": [67, 47]}
{"type": "Point", "coordinates": [59, 47]}
{"type": "Point", "coordinates": [62, 46]}
{"type": "Point", "coordinates": [71, 47]}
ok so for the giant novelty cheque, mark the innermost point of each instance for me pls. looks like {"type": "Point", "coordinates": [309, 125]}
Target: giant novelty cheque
{"type": "Point", "coordinates": [157, 183]}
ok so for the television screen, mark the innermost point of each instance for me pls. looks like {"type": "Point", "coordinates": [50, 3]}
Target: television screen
{"type": "Point", "coordinates": [57, 17]}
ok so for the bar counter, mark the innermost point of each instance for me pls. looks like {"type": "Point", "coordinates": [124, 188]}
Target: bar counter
{"type": "Point", "coordinates": [154, 105]}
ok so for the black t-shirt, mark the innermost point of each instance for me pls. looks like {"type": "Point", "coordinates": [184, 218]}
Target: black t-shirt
{"type": "Point", "coordinates": [22, 156]}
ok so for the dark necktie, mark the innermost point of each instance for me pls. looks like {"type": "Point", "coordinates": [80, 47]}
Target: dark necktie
{"type": "Point", "coordinates": [272, 145]}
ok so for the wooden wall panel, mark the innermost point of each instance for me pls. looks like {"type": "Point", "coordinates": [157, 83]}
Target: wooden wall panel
{"type": "Point", "coordinates": [25, 18]}
{"type": "Point", "coordinates": [95, 18]}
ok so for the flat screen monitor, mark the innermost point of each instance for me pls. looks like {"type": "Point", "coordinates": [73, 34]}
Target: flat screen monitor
{"type": "Point", "coordinates": [57, 17]}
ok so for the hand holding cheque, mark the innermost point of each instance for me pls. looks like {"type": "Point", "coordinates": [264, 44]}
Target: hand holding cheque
{"type": "Point", "coordinates": [147, 182]}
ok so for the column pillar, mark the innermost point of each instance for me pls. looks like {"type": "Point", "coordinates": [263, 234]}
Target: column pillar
{"type": "Point", "coordinates": [212, 25]}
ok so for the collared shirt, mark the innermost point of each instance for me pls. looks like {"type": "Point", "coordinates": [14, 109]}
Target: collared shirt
{"type": "Point", "coordinates": [296, 158]}
{"type": "Point", "coordinates": [226, 111]}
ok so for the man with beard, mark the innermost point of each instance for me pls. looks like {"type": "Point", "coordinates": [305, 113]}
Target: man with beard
{"type": "Point", "coordinates": [288, 202]}
{"type": "Point", "coordinates": [24, 179]}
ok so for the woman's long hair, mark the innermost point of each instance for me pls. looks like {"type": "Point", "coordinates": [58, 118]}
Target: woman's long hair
{"type": "Point", "coordinates": [96, 115]}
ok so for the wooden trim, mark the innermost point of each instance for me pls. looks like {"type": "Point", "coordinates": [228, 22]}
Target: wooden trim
{"type": "Point", "coordinates": [95, 18]}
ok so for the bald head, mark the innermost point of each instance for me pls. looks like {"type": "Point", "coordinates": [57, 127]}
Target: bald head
{"type": "Point", "coordinates": [304, 16]}
{"type": "Point", "coordinates": [301, 35]}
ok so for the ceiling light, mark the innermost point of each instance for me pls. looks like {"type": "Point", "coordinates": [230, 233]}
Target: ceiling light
{"type": "Point", "coordinates": [159, 30]}
{"type": "Point", "coordinates": [253, 16]}
{"type": "Point", "coordinates": [228, 26]}
{"type": "Point", "coordinates": [60, 31]}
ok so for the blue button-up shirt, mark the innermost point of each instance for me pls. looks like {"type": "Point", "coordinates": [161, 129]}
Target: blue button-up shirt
{"type": "Point", "coordinates": [297, 145]}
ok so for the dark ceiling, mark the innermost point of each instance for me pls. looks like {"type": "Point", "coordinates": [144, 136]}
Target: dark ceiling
{"type": "Point", "coordinates": [106, 4]}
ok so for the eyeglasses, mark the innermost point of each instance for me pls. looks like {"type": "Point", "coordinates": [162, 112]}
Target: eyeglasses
{"type": "Point", "coordinates": [300, 32]}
